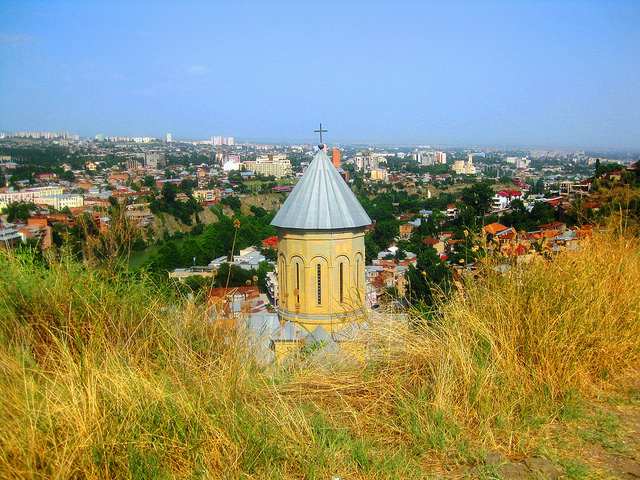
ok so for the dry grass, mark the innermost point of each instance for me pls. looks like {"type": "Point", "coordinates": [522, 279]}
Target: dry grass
{"type": "Point", "coordinates": [115, 378]}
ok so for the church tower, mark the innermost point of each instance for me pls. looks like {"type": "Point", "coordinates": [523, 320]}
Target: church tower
{"type": "Point", "coordinates": [321, 250]}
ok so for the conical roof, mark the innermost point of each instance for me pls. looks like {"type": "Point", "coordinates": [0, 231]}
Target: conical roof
{"type": "Point", "coordinates": [321, 200]}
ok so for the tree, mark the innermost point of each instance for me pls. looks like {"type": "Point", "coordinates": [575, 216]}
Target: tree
{"type": "Point", "coordinates": [430, 277]}
{"type": "Point", "coordinates": [169, 192]}
{"type": "Point", "coordinates": [371, 250]}
{"type": "Point", "coordinates": [478, 197]}
{"type": "Point", "coordinates": [233, 202]}
{"type": "Point", "coordinates": [67, 175]}
{"type": "Point", "coordinates": [518, 205]}
{"type": "Point", "coordinates": [384, 233]}
{"type": "Point", "coordinates": [188, 185]}
{"type": "Point", "coordinates": [148, 181]}
{"type": "Point", "coordinates": [543, 213]}
{"type": "Point", "coordinates": [19, 211]}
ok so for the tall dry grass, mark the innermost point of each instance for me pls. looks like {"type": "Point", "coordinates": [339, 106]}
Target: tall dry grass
{"type": "Point", "coordinates": [110, 377]}
{"type": "Point", "coordinates": [116, 378]}
{"type": "Point", "coordinates": [520, 348]}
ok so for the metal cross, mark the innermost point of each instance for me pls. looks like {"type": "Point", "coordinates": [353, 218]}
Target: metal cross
{"type": "Point", "coordinates": [320, 132]}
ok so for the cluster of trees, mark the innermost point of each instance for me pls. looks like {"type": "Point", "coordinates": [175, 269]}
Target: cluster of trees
{"type": "Point", "coordinates": [522, 220]}
{"type": "Point", "coordinates": [430, 280]}
{"type": "Point", "coordinates": [216, 240]}
{"type": "Point", "coordinates": [18, 211]}
{"type": "Point", "coordinates": [166, 202]}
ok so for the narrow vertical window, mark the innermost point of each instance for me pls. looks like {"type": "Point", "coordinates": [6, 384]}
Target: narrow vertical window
{"type": "Point", "coordinates": [283, 283]}
{"type": "Point", "coordinates": [341, 282]}
{"type": "Point", "coordinates": [298, 282]}
{"type": "Point", "coordinates": [319, 279]}
{"type": "Point", "coordinates": [358, 273]}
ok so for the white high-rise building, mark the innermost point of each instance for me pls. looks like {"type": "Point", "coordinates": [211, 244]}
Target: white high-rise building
{"type": "Point", "coordinates": [169, 138]}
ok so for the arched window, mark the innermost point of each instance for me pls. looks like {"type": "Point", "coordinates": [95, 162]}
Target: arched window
{"type": "Point", "coordinates": [319, 282]}
{"type": "Point", "coordinates": [341, 282]}
{"type": "Point", "coordinates": [298, 282]}
{"type": "Point", "coordinates": [282, 274]}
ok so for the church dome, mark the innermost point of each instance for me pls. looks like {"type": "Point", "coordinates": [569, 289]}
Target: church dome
{"type": "Point", "coordinates": [321, 200]}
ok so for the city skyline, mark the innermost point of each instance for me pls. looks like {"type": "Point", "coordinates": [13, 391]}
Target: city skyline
{"type": "Point", "coordinates": [530, 74]}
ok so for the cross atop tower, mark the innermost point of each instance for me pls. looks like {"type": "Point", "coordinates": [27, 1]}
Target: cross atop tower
{"type": "Point", "coordinates": [320, 131]}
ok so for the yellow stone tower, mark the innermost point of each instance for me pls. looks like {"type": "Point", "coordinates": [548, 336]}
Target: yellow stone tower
{"type": "Point", "coordinates": [321, 250]}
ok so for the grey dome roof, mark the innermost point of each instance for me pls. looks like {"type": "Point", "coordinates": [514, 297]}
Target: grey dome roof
{"type": "Point", "coordinates": [321, 200]}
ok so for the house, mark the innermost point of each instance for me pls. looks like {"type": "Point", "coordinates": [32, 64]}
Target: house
{"type": "Point", "coordinates": [235, 301]}
{"type": "Point", "coordinates": [502, 199]}
{"type": "Point", "coordinates": [405, 230]}
{"type": "Point", "coordinates": [554, 226]}
{"type": "Point", "coordinates": [614, 176]}
{"type": "Point", "coordinates": [435, 243]}
{"type": "Point", "coordinates": [452, 211]}
{"type": "Point", "coordinates": [181, 274]}
{"type": "Point", "coordinates": [494, 229]}
{"type": "Point", "coordinates": [248, 259]}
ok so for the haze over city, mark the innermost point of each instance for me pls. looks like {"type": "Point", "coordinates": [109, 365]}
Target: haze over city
{"type": "Point", "coordinates": [553, 74]}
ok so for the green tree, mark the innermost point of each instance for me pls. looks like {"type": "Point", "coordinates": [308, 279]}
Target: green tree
{"type": "Point", "coordinates": [430, 277]}
{"type": "Point", "coordinates": [384, 233]}
{"type": "Point", "coordinates": [518, 205]}
{"type": "Point", "coordinates": [169, 192]}
{"type": "Point", "coordinates": [233, 202]}
{"type": "Point", "coordinates": [371, 250]}
{"type": "Point", "coordinates": [543, 213]}
{"type": "Point", "coordinates": [148, 181]}
{"type": "Point", "coordinates": [478, 197]}
{"type": "Point", "coordinates": [188, 185]}
{"type": "Point", "coordinates": [19, 211]}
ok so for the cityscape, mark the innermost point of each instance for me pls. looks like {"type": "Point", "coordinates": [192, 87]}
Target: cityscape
{"type": "Point", "coordinates": [320, 240]}
{"type": "Point", "coordinates": [458, 204]}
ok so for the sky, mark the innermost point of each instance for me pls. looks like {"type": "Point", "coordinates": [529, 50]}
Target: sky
{"type": "Point", "coordinates": [557, 74]}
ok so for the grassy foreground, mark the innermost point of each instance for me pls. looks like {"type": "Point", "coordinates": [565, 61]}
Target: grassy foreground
{"type": "Point", "coordinates": [112, 378]}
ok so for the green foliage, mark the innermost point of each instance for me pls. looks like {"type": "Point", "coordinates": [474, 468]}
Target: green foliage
{"type": "Point", "coordinates": [184, 211]}
{"type": "Point", "coordinates": [149, 181]}
{"type": "Point", "coordinates": [270, 253]}
{"type": "Point", "coordinates": [371, 250]}
{"type": "Point", "coordinates": [215, 240]}
{"type": "Point", "coordinates": [258, 211]}
{"type": "Point", "coordinates": [169, 192]}
{"type": "Point", "coordinates": [232, 202]}
{"type": "Point", "coordinates": [237, 277]}
{"type": "Point", "coordinates": [67, 175]}
{"type": "Point", "coordinates": [429, 278]}
{"type": "Point", "coordinates": [384, 233]}
{"type": "Point", "coordinates": [602, 169]}
{"type": "Point", "coordinates": [187, 185]}
{"type": "Point", "coordinates": [478, 197]}
{"type": "Point", "coordinates": [19, 211]}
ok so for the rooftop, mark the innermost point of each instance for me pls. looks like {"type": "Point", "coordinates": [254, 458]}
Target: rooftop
{"type": "Point", "coordinates": [321, 201]}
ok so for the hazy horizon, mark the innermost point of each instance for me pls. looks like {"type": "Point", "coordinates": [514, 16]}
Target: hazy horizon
{"type": "Point", "coordinates": [553, 75]}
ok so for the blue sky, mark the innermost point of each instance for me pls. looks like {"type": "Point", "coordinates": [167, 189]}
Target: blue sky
{"type": "Point", "coordinates": [539, 73]}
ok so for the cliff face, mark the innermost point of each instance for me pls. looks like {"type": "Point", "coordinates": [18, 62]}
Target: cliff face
{"type": "Point", "coordinates": [165, 222]}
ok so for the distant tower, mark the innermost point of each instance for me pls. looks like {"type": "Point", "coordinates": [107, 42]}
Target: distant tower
{"type": "Point", "coordinates": [169, 138]}
{"type": "Point", "coordinates": [336, 158]}
{"type": "Point", "coordinates": [321, 250]}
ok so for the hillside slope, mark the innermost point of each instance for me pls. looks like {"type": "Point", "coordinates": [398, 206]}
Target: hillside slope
{"type": "Point", "coordinates": [108, 376]}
